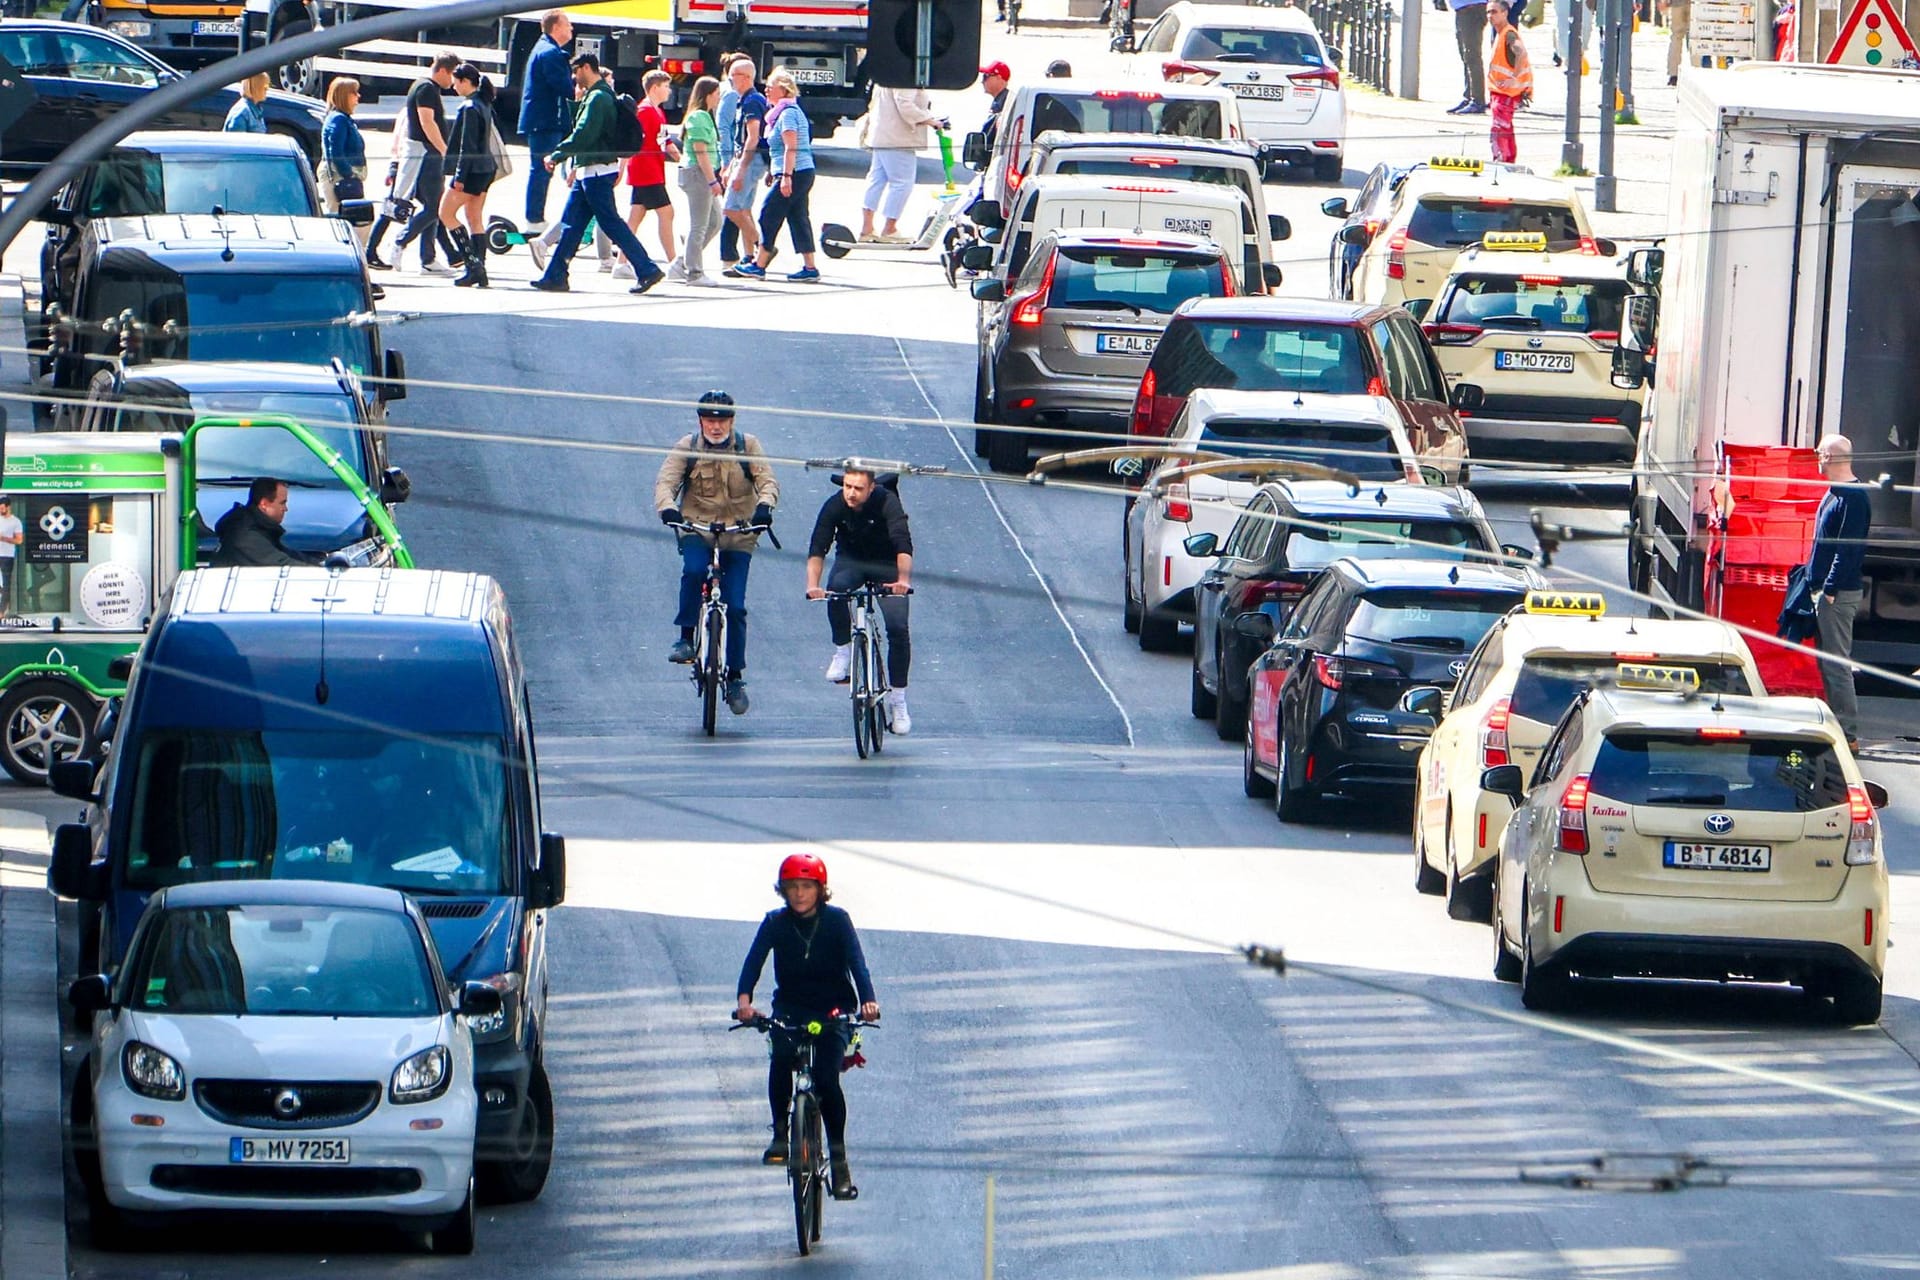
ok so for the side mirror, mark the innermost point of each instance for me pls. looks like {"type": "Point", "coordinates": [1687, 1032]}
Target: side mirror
{"type": "Point", "coordinates": [977, 257]}
{"type": "Point", "coordinates": [121, 668]}
{"type": "Point", "coordinates": [1338, 55]}
{"type": "Point", "coordinates": [987, 213]}
{"type": "Point", "coordinates": [356, 213]}
{"type": "Point", "coordinates": [992, 235]}
{"type": "Point", "coordinates": [1467, 397]}
{"type": "Point", "coordinates": [90, 995]}
{"type": "Point", "coordinates": [549, 887]}
{"type": "Point", "coordinates": [973, 152]}
{"type": "Point", "coordinates": [1337, 207]}
{"type": "Point", "coordinates": [1876, 795]}
{"type": "Point", "coordinates": [70, 873]}
{"type": "Point", "coordinates": [1201, 545]}
{"type": "Point", "coordinates": [1504, 780]}
{"type": "Point", "coordinates": [395, 487]}
{"type": "Point", "coordinates": [1642, 320]}
{"type": "Point", "coordinates": [72, 779]}
{"type": "Point", "coordinates": [1426, 700]}
{"type": "Point", "coordinates": [477, 1000]}
{"type": "Point", "coordinates": [1270, 274]}
{"type": "Point", "coordinates": [1256, 626]}
{"type": "Point", "coordinates": [1629, 370]}
{"type": "Point", "coordinates": [1645, 267]}
{"type": "Point", "coordinates": [989, 291]}
{"type": "Point", "coordinates": [1517, 551]}
{"type": "Point", "coordinates": [1129, 468]}
{"type": "Point", "coordinates": [1418, 307]}
{"type": "Point", "coordinates": [1355, 235]}
{"type": "Point", "coordinates": [1607, 248]}
{"type": "Point", "coordinates": [1278, 228]}
{"type": "Point", "coordinates": [55, 217]}
{"type": "Point", "coordinates": [394, 385]}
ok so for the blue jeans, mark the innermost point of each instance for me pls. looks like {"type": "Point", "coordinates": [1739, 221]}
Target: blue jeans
{"type": "Point", "coordinates": [733, 590]}
{"type": "Point", "coordinates": [539, 143]}
{"type": "Point", "coordinates": [591, 200]}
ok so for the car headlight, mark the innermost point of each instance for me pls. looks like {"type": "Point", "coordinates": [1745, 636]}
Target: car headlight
{"type": "Point", "coordinates": [496, 1026]}
{"type": "Point", "coordinates": [422, 1077]}
{"type": "Point", "coordinates": [134, 30]}
{"type": "Point", "coordinates": [152, 1074]}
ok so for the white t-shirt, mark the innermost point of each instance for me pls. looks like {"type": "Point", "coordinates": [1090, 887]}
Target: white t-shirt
{"type": "Point", "coordinates": [10, 528]}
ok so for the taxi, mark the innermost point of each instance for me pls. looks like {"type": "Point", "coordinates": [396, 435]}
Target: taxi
{"type": "Point", "coordinates": [1535, 331]}
{"type": "Point", "coordinates": [1670, 833]}
{"type": "Point", "coordinates": [1511, 691]}
{"type": "Point", "coordinates": [1447, 204]}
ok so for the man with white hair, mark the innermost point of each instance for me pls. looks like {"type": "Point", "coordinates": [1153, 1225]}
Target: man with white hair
{"type": "Point", "coordinates": [1834, 574]}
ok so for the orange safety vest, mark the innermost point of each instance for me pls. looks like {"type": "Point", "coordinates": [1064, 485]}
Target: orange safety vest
{"type": "Point", "coordinates": [1503, 77]}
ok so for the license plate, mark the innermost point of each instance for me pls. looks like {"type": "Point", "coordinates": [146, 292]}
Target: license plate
{"type": "Point", "coordinates": [287, 1151]}
{"type": "Point", "coordinates": [1689, 856]}
{"type": "Point", "coordinates": [815, 75]}
{"type": "Point", "coordinates": [1269, 92]}
{"type": "Point", "coordinates": [1534, 361]}
{"type": "Point", "coordinates": [1188, 226]}
{"type": "Point", "coordinates": [212, 27]}
{"type": "Point", "coordinates": [1125, 344]}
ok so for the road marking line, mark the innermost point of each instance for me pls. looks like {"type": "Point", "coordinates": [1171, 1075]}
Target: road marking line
{"type": "Point", "coordinates": [986, 489]}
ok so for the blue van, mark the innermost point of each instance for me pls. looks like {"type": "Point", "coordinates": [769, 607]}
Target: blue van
{"type": "Point", "coordinates": [369, 726]}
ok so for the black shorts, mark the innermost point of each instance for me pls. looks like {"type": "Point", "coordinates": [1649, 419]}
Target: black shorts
{"type": "Point", "coordinates": [652, 197]}
{"type": "Point", "coordinates": [472, 182]}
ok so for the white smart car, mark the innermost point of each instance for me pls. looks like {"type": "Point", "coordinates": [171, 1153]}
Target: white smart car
{"type": "Point", "coordinates": [280, 1045]}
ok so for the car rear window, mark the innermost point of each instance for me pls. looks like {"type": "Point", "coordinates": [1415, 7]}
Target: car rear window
{"type": "Point", "coordinates": [1134, 279]}
{"type": "Point", "coordinates": [1542, 303]}
{"type": "Point", "coordinates": [1126, 111]}
{"type": "Point", "coordinates": [1242, 44]}
{"type": "Point", "coordinates": [1366, 450]}
{"type": "Point", "coordinates": [1377, 539]}
{"type": "Point", "coordinates": [1453, 620]}
{"type": "Point", "coordinates": [1249, 356]}
{"type": "Point", "coordinates": [135, 182]}
{"type": "Point", "coordinates": [1454, 222]}
{"type": "Point", "coordinates": [1769, 775]}
{"type": "Point", "coordinates": [1548, 686]}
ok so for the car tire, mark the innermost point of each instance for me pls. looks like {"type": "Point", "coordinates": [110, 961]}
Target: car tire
{"type": "Point", "coordinates": [1199, 701]}
{"type": "Point", "coordinates": [1292, 802]}
{"type": "Point", "coordinates": [1253, 784]}
{"type": "Point", "coordinates": [1466, 900]}
{"type": "Point", "coordinates": [106, 1231]}
{"type": "Point", "coordinates": [982, 408]}
{"type": "Point", "coordinates": [86, 961]}
{"type": "Point", "coordinates": [1230, 713]}
{"type": "Point", "coordinates": [36, 718]}
{"type": "Point", "coordinates": [1541, 990]}
{"type": "Point", "coordinates": [1007, 451]}
{"type": "Point", "coordinates": [1425, 879]}
{"type": "Point", "coordinates": [1129, 612]}
{"type": "Point", "coordinates": [1328, 168]}
{"type": "Point", "coordinates": [455, 1239]}
{"type": "Point", "coordinates": [520, 1176]}
{"type": "Point", "coordinates": [1506, 965]}
{"type": "Point", "coordinates": [296, 77]}
{"type": "Point", "coordinates": [1856, 999]}
{"type": "Point", "coordinates": [1158, 632]}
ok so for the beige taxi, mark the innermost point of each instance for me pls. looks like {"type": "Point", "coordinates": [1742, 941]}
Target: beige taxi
{"type": "Point", "coordinates": [1683, 834]}
{"type": "Point", "coordinates": [1512, 690]}
{"type": "Point", "coordinates": [1535, 330]}
{"type": "Point", "coordinates": [1449, 203]}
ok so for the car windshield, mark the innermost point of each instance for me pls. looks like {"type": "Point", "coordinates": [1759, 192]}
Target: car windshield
{"type": "Point", "coordinates": [1133, 280]}
{"type": "Point", "coordinates": [1126, 111]}
{"type": "Point", "coordinates": [1547, 686]}
{"type": "Point", "coordinates": [1252, 44]}
{"type": "Point", "coordinates": [135, 182]}
{"type": "Point", "coordinates": [1362, 449]}
{"type": "Point", "coordinates": [1455, 222]}
{"type": "Point", "coordinates": [1253, 356]}
{"type": "Point", "coordinates": [1536, 303]}
{"type": "Point", "coordinates": [1449, 618]}
{"type": "Point", "coordinates": [1126, 165]}
{"type": "Point", "coordinates": [420, 815]}
{"type": "Point", "coordinates": [283, 961]}
{"type": "Point", "coordinates": [218, 315]}
{"type": "Point", "coordinates": [254, 451]}
{"type": "Point", "coordinates": [1377, 539]}
{"type": "Point", "coordinates": [1684, 770]}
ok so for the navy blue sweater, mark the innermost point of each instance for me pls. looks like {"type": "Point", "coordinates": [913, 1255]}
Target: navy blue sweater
{"type": "Point", "coordinates": [1840, 540]}
{"type": "Point", "coordinates": [817, 963]}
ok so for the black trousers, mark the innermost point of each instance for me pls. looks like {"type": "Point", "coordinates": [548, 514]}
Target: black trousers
{"type": "Point", "coordinates": [827, 1053]}
{"type": "Point", "coordinates": [791, 209]}
{"type": "Point", "coordinates": [848, 574]}
{"type": "Point", "coordinates": [1470, 31]}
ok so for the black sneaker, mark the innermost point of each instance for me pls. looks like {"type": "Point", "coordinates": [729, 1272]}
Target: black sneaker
{"type": "Point", "coordinates": [843, 1188]}
{"type": "Point", "coordinates": [682, 651]}
{"type": "Point", "coordinates": [649, 282]}
{"type": "Point", "coordinates": [377, 263]}
{"type": "Point", "coordinates": [737, 696]}
{"type": "Point", "coordinates": [776, 1152]}
{"type": "Point", "coordinates": [545, 285]}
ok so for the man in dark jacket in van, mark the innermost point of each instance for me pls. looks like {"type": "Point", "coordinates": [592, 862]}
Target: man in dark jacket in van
{"type": "Point", "coordinates": [253, 533]}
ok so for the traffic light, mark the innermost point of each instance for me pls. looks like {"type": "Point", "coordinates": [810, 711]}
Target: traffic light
{"type": "Point", "coordinates": [923, 44]}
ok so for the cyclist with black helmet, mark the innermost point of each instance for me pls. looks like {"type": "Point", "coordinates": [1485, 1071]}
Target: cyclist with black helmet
{"type": "Point", "coordinates": [717, 475]}
{"type": "Point", "coordinates": [818, 972]}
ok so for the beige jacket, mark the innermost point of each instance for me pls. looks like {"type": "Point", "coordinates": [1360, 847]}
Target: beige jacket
{"type": "Point", "coordinates": [898, 119]}
{"type": "Point", "coordinates": [709, 485]}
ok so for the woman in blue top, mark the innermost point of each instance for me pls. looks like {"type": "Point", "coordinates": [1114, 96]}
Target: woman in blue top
{"type": "Point", "coordinates": [343, 163]}
{"type": "Point", "coordinates": [248, 113]}
{"type": "Point", "coordinates": [790, 140]}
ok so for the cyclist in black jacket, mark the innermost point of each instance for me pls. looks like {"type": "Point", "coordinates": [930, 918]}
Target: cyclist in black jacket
{"type": "Point", "coordinates": [818, 971]}
{"type": "Point", "coordinates": [869, 524]}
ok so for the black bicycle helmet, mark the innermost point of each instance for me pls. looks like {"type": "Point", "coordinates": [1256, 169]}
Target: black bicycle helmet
{"type": "Point", "coordinates": [716, 404]}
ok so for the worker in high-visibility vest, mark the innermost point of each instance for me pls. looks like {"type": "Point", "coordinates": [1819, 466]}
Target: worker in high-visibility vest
{"type": "Point", "coordinates": [1509, 80]}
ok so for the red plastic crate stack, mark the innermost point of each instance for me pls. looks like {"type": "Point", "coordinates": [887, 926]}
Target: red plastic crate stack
{"type": "Point", "coordinates": [1766, 534]}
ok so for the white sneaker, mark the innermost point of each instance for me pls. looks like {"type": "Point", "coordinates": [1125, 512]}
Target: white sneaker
{"type": "Point", "coordinates": [438, 269]}
{"type": "Point", "coordinates": [897, 718]}
{"type": "Point", "coordinates": [842, 660]}
{"type": "Point", "coordinates": [624, 272]}
{"type": "Point", "coordinates": [608, 264]}
{"type": "Point", "coordinates": [539, 249]}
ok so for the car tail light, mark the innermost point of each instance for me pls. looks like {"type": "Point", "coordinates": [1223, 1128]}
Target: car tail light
{"type": "Point", "coordinates": [1860, 850]}
{"type": "Point", "coordinates": [1324, 78]}
{"type": "Point", "coordinates": [1030, 310]}
{"type": "Point", "coordinates": [1376, 386]}
{"type": "Point", "coordinates": [1154, 162]}
{"type": "Point", "coordinates": [1867, 940]}
{"type": "Point", "coordinates": [1271, 590]}
{"type": "Point", "coordinates": [1373, 227]}
{"type": "Point", "coordinates": [1719, 731]}
{"type": "Point", "coordinates": [1174, 69]}
{"type": "Point", "coordinates": [1493, 735]}
{"type": "Point", "coordinates": [1609, 336]}
{"type": "Point", "coordinates": [1143, 405]}
{"type": "Point", "coordinates": [1136, 189]}
{"type": "Point", "coordinates": [1541, 280]}
{"type": "Point", "coordinates": [1397, 255]}
{"type": "Point", "coordinates": [1452, 335]}
{"type": "Point", "coordinates": [683, 66]}
{"type": "Point", "coordinates": [1572, 837]}
{"type": "Point", "coordinates": [1131, 95]}
{"type": "Point", "coordinates": [1589, 247]}
{"type": "Point", "coordinates": [1334, 672]}
{"type": "Point", "coordinates": [1227, 289]}
{"type": "Point", "coordinates": [1176, 504]}
{"type": "Point", "coordinates": [1636, 657]}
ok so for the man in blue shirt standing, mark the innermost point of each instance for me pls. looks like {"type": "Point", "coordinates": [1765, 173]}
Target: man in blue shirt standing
{"type": "Point", "coordinates": [1470, 32]}
{"type": "Point", "coordinates": [546, 108]}
{"type": "Point", "coordinates": [1834, 576]}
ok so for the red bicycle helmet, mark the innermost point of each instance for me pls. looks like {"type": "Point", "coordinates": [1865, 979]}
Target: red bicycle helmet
{"type": "Point", "coordinates": [804, 866]}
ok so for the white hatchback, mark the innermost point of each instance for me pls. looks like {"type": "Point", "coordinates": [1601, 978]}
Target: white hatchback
{"type": "Point", "coordinates": [280, 1045]}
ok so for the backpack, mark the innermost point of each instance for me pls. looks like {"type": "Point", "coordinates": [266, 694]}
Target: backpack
{"type": "Point", "coordinates": [739, 449]}
{"type": "Point", "coordinates": [627, 139]}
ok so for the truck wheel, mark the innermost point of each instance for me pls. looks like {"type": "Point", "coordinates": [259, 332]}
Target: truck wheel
{"type": "Point", "coordinates": [522, 1172]}
{"type": "Point", "coordinates": [42, 721]}
{"type": "Point", "coordinates": [298, 76]}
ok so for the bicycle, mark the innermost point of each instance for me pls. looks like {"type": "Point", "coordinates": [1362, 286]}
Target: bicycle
{"type": "Point", "coordinates": [808, 1169]}
{"type": "Point", "coordinates": [709, 667]}
{"type": "Point", "coordinates": [867, 676]}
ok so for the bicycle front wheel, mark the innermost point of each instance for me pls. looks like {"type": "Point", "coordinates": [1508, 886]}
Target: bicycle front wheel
{"type": "Point", "coordinates": [862, 698]}
{"type": "Point", "coordinates": [879, 719]}
{"type": "Point", "coordinates": [714, 669]}
{"type": "Point", "coordinates": [803, 1157]}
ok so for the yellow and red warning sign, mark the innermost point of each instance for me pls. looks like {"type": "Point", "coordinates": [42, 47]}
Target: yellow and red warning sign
{"type": "Point", "coordinates": [1873, 36]}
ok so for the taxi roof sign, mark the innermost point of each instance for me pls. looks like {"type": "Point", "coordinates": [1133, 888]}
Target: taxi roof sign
{"type": "Point", "coordinates": [1642, 675]}
{"type": "Point", "coordinates": [1456, 164]}
{"type": "Point", "coordinates": [1515, 241]}
{"type": "Point", "coordinates": [1566, 604]}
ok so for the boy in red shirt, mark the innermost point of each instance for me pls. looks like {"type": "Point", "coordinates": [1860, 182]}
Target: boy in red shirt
{"type": "Point", "coordinates": [647, 169]}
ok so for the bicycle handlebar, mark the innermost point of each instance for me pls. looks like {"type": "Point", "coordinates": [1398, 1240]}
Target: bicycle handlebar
{"type": "Point", "coordinates": [865, 589]}
{"type": "Point", "coordinates": [716, 529]}
{"type": "Point", "coordinates": [763, 1024]}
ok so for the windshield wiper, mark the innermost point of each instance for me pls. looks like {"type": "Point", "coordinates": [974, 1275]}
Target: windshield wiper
{"type": "Point", "coordinates": [1512, 322]}
{"type": "Point", "coordinates": [1712, 797]}
{"type": "Point", "coordinates": [1102, 304]}
{"type": "Point", "coordinates": [1432, 642]}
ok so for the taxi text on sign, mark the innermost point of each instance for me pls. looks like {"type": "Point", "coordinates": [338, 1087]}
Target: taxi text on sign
{"type": "Point", "coordinates": [1873, 36]}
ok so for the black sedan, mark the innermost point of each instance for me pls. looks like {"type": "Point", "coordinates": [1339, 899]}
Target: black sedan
{"type": "Point", "coordinates": [80, 75]}
{"type": "Point", "coordinates": [1332, 705]}
{"type": "Point", "coordinates": [1361, 217]}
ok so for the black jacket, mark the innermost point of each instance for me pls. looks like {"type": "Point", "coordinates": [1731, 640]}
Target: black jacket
{"type": "Point", "coordinates": [817, 965]}
{"type": "Point", "coordinates": [876, 533]}
{"type": "Point", "coordinates": [248, 537]}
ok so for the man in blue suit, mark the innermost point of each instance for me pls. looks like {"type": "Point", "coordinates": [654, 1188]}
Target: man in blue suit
{"type": "Point", "coordinates": [546, 108]}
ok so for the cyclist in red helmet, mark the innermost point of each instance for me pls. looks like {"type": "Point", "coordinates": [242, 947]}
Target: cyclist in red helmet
{"type": "Point", "coordinates": [818, 970]}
